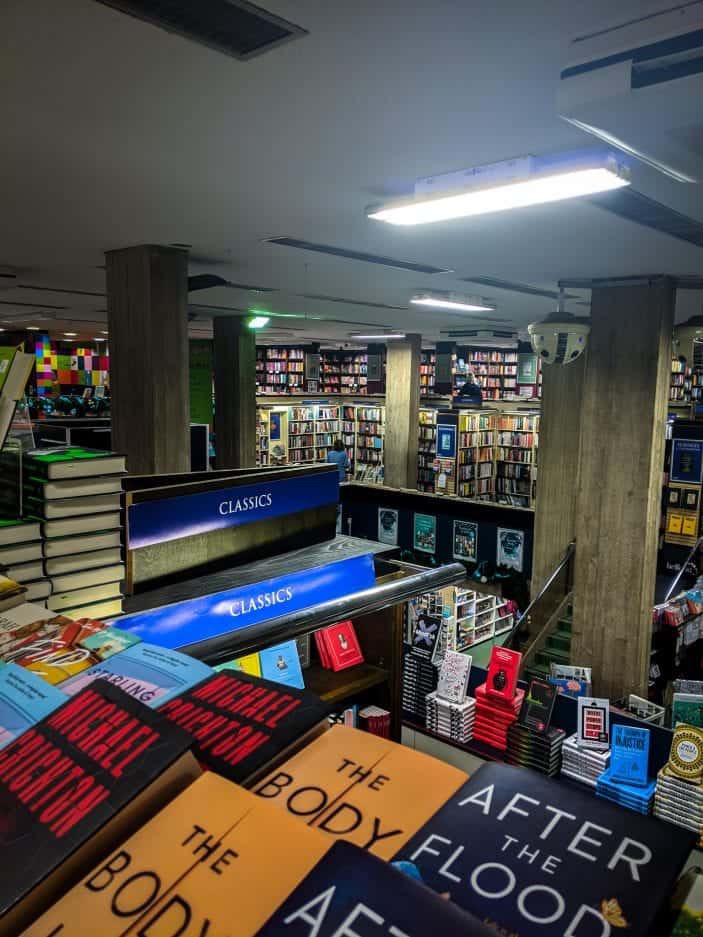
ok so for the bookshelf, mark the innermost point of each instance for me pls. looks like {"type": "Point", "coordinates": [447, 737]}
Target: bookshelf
{"type": "Point", "coordinates": [280, 370]}
{"type": "Point", "coordinates": [686, 384]}
{"type": "Point", "coordinates": [495, 371]}
{"type": "Point", "coordinates": [517, 437]}
{"type": "Point", "coordinates": [326, 429]}
{"type": "Point", "coordinates": [330, 373]}
{"type": "Point", "coordinates": [301, 434]}
{"type": "Point", "coordinates": [369, 443]}
{"type": "Point", "coordinates": [475, 449]}
{"type": "Point", "coordinates": [348, 434]}
{"type": "Point", "coordinates": [428, 363]}
{"type": "Point", "coordinates": [426, 450]}
{"type": "Point", "coordinates": [353, 373]}
{"type": "Point", "coordinates": [262, 437]}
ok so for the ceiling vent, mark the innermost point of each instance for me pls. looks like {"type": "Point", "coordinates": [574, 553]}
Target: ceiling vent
{"type": "Point", "coordinates": [347, 254]}
{"type": "Point", "coordinates": [234, 27]}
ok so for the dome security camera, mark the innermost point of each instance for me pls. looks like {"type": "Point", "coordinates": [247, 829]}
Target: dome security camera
{"type": "Point", "coordinates": [561, 338]}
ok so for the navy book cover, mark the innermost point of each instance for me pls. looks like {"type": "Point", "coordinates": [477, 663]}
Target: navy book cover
{"type": "Point", "coordinates": [535, 857]}
{"type": "Point", "coordinates": [240, 723]}
{"type": "Point", "coordinates": [352, 892]}
{"type": "Point", "coordinates": [63, 779]}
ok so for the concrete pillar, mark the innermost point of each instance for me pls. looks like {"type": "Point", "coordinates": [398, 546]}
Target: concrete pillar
{"type": "Point", "coordinates": [402, 407]}
{"type": "Point", "coordinates": [147, 310]}
{"type": "Point", "coordinates": [623, 414]}
{"type": "Point", "coordinates": [558, 470]}
{"type": "Point", "coordinates": [235, 393]}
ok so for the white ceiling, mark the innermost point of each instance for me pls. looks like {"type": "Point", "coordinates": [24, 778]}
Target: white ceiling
{"type": "Point", "coordinates": [117, 133]}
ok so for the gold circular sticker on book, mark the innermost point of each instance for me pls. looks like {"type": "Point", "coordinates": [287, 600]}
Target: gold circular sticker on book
{"type": "Point", "coordinates": [686, 758]}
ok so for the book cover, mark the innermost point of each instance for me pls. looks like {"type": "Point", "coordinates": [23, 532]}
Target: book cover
{"type": "Point", "coordinates": [16, 531]}
{"type": "Point", "coordinates": [243, 724]}
{"type": "Point", "coordinates": [353, 892]}
{"type": "Point", "coordinates": [593, 722]}
{"type": "Point", "coordinates": [72, 462]}
{"type": "Point", "coordinates": [250, 664]}
{"type": "Point", "coordinates": [26, 621]}
{"type": "Point", "coordinates": [150, 674]}
{"type": "Point", "coordinates": [531, 856]}
{"type": "Point", "coordinates": [569, 686]}
{"type": "Point", "coordinates": [342, 645]}
{"type": "Point", "coordinates": [166, 848]}
{"type": "Point", "coordinates": [629, 755]}
{"type": "Point", "coordinates": [686, 755]}
{"type": "Point", "coordinates": [322, 651]}
{"type": "Point", "coordinates": [101, 762]}
{"type": "Point", "coordinates": [453, 678]}
{"type": "Point", "coordinates": [503, 669]}
{"type": "Point", "coordinates": [281, 664]}
{"type": "Point", "coordinates": [357, 786]}
{"type": "Point", "coordinates": [25, 699]}
{"type": "Point", "coordinates": [538, 705]}
{"type": "Point", "coordinates": [58, 656]}
{"type": "Point", "coordinates": [687, 708]}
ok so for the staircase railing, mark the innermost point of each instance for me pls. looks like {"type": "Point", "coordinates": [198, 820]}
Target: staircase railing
{"type": "Point", "coordinates": [684, 566]}
{"type": "Point", "coordinates": [536, 609]}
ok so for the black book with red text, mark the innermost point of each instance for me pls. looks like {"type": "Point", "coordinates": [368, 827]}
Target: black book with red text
{"type": "Point", "coordinates": [75, 784]}
{"type": "Point", "coordinates": [242, 726]}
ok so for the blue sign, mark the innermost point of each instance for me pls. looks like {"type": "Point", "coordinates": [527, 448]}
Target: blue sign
{"type": "Point", "coordinates": [150, 522]}
{"type": "Point", "coordinates": [687, 461]}
{"type": "Point", "coordinates": [210, 616]}
{"type": "Point", "coordinates": [446, 441]}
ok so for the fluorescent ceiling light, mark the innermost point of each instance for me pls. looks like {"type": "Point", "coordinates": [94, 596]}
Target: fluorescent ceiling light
{"type": "Point", "coordinates": [96, 339]}
{"type": "Point", "coordinates": [455, 303]}
{"type": "Point", "coordinates": [380, 338]}
{"type": "Point", "coordinates": [70, 334]}
{"type": "Point", "coordinates": [32, 328]}
{"type": "Point", "coordinates": [258, 322]}
{"type": "Point", "coordinates": [105, 333]}
{"type": "Point", "coordinates": [500, 187]}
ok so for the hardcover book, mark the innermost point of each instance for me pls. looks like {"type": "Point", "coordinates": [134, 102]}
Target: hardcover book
{"type": "Point", "coordinates": [538, 705]}
{"type": "Point", "coordinates": [530, 856]}
{"type": "Point", "coordinates": [453, 679]}
{"type": "Point", "coordinates": [85, 524]}
{"type": "Point", "coordinates": [629, 755]}
{"type": "Point", "coordinates": [687, 708]}
{"type": "Point", "coordinates": [503, 669]}
{"type": "Point", "coordinates": [25, 699]}
{"type": "Point", "coordinates": [57, 601]}
{"type": "Point", "coordinates": [686, 755]}
{"type": "Point", "coordinates": [593, 722]}
{"type": "Point", "coordinates": [71, 507]}
{"type": "Point", "coordinates": [74, 562]}
{"type": "Point", "coordinates": [26, 621]}
{"type": "Point", "coordinates": [342, 645]}
{"type": "Point", "coordinates": [72, 462]}
{"type": "Point", "coordinates": [150, 674]}
{"type": "Point", "coordinates": [12, 593]}
{"type": "Point", "coordinates": [282, 665]}
{"type": "Point", "coordinates": [242, 725]}
{"type": "Point", "coordinates": [16, 531]}
{"type": "Point", "coordinates": [362, 788]}
{"type": "Point", "coordinates": [56, 657]}
{"type": "Point", "coordinates": [90, 577]}
{"type": "Point", "coordinates": [71, 786]}
{"type": "Point", "coordinates": [66, 547]}
{"type": "Point", "coordinates": [45, 490]}
{"type": "Point", "coordinates": [20, 553]}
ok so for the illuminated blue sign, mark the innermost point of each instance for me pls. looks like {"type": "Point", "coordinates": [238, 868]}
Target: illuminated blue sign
{"type": "Point", "coordinates": [150, 522]}
{"type": "Point", "coordinates": [211, 616]}
{"type": "Point", "coordinates": [446, 441]}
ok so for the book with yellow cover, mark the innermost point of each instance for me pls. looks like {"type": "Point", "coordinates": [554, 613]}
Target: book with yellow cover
{"type": "Point", "coordinates": [361, 788]}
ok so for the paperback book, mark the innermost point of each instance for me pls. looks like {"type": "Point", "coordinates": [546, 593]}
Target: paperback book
{"type": "Point", "coordinates": [282, 664]}
{"type": "Point", "coordinates": [453, 679]}
{"type": "Point", "coordinates": [593, 723]}
{"type": "Point", "coordinates": [25, 699]}
{"type": "Point", "coordinates": [538, 706]}
{"type": "Point", "coordinates": [687, 708]}
{"type": "Point", "coordinates": [629, 755]}
{"type": "Point", "coordinates": [503, 669]}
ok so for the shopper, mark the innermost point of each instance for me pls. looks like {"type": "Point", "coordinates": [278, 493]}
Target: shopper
{"type": "Point", "coordinates": [470, 394]}
{"type": "Point", "coordinates": [338, 455]}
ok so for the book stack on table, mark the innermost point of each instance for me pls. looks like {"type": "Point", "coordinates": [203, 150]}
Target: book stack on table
{"type": "Point", "coordinates": [678, 797]}
{"type": "Point", "coordinates": [74, 562]}
{"type": "Point", "coordinates": [626, 780]}
{"type": "Point", "coordinates": [21, 555]}
{"type": "Point", "coordinates": [448, 711]}
{"type": "Point", "coordinates": [583, 764]}
{"type": "Point", "coordinates": [539, 751]}
{"type": "Point", "coordinates": [498, 701]}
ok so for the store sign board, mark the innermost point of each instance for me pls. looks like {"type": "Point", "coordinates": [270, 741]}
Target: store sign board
{"type": "Point", "coordinates": [211, 616]}
{"type": "Point", "coordinates": [152, 522]}
{"type": "Point", "coordinates": [446, 441]}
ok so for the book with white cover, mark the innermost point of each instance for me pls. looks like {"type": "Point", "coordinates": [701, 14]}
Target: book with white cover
{"type": "Point", "coordinates": [90, 577]}
{"type": "Point", "coordinates": [72, 507]}
{"type": "Point", "coordinates": [80, 487]}
{"type": "Point", "coordinates": [453, 679]}
{"type": "Point", "coordinates": [68, 526]}
{"type": "Point", "coordinates": [72, 563]}
{"type": "Point", "coordinates": [67, 546]}
{"type": "Point", "coordinates": [58, 601]}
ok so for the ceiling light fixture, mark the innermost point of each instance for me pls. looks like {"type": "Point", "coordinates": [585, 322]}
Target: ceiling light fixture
{"type": "Point", "coordinates": [386, 336]}
{"type": "Point", "coordinates": [258, 322]}
{"type": "Point", "coordinates": [70, 334]}
{"type": "Point", "coordinates": [32, 328]}
{"type": "Point", "coordinates": [452, 302]}
{"type": "Point", "coordinates": [96, 339]}
{"type": "Point", "coordinates": [104, 333]}
{"type": "Point", "coordinates": [514, 183]}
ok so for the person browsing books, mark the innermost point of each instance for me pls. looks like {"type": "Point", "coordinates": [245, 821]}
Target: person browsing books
{"type": "Point", "coordinates": [338, 455]}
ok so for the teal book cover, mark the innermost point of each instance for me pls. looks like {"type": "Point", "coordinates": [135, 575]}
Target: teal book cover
{"type": "Point", "coordinates": [282, 664]}
{"type": "Point", "coordinates": [25, 699]}
{"type": "Point", "coordinates": [687, 708]}
{"type": "Point", "coordinates": [151, 674]}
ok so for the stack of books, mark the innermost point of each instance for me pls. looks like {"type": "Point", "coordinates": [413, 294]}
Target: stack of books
{"type": "Point", "coordinates": [498, 700]}
{"type": "Point", "coordinates": [375, 720]}
{"type": "Point", "coordinates": [639, 799]}
{"type": "Point", "coordinates": [678, 796]}
{"type": "Point", "coordinates": [75, 493]}
{"type": "Point", "coordinates": [454, 721]}
{"type": "Point", "coordinates": [11, 593]}
{"type": "Point", "coordinates": [338, 646]}
{"type": "Point", "coordinates": [583, 764]}
{"type": "Point", "coordinates": [626, 780]}
{"type": "Point", "coordinates": [539, 751]}
{"type": "Point", "coordinates": [21, 555]}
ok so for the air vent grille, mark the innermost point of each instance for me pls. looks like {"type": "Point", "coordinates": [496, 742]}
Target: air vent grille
{"type": "Point", "coordinates": [355, 255]}
{"type": "Point", "coordinates": [234, 27]}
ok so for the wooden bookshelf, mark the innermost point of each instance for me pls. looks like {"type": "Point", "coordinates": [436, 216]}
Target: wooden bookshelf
{"type": "Point", "coordinates": [428, 364]}
{"type": "Point", "coordinates": [369, 443]}
{"type": "Point", "coordinates": [301, 434]}
{"type": "Point", "coordinates": [327, 426]}
{"type": "Point", "coordinates": [280, 370]}
{"type": "Point", "coordinates": [262, 436]}
{"type": "Point", "coordinates": [475, 455]}
{"type": "Point", "coordinates": [517, 439]}
{"type": "Point", "coordinates": [426, 450]}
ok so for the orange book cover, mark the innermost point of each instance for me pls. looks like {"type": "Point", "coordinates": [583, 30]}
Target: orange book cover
{"type": "Point", "coordinates": [129, 881]}
{"type": "Point", "coordinates": [361, 788]}
{"type": "Point", "coordinates": [235, 890]}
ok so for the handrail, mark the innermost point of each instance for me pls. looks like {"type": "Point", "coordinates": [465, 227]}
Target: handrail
{"type": "Point", "coordinates": [237, 643]}
{"type": "Point", "coordinates": [565, 560]}
{"type": "Point", "coordinates": [680, 573]}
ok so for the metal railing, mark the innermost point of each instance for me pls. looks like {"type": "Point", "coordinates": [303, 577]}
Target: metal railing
{"type": "Point", "coordinates": [562, 565]}
{"type": "Point", "coordinates": [684, 566]}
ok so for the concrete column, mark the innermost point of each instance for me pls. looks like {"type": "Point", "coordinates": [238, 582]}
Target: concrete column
{"type": "Point", "coordinates": [235, 393]}
{"type": "Point", "coordinates": [147, 310]}
{"type": "Point", "coordinates": [625, 395]}
{"type": "Point", "coordinates": [402, 406]}
{"type": "Point", "coordinates": [558, 469]}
